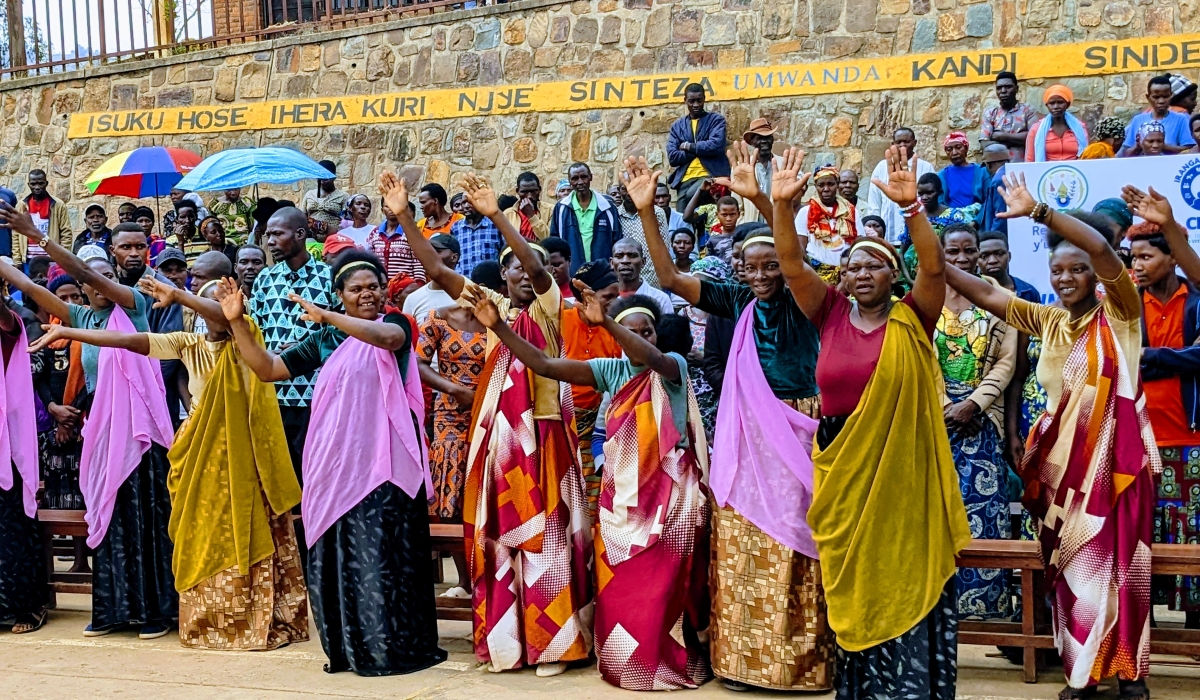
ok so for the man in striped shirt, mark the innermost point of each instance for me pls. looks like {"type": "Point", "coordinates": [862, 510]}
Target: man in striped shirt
{"type": "Point", "coordinates": [387, 241]}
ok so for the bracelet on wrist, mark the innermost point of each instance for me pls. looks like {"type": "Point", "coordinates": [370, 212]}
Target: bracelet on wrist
{"type": "Point", "coordinates": [1040, 212]}
{"type": "Point", "coordinates": [910, 213]}
{"type": "Point", "coordinates": [916, 204]}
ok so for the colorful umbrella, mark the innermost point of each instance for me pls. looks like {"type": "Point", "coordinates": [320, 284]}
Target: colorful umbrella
{"type": "Point", "coordinates": [143, 172]}
{"type": "Point", "coordinates": [240, 167]}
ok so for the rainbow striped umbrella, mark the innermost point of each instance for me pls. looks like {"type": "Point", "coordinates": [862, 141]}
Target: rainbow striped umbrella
{"type": "Point", "coordinates": [150, 171]}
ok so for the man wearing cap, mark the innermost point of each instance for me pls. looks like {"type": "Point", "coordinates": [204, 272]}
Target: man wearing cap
{"type": "Point", "coordinates": [695, 147]}
{"type": "Point", "coordinates": [1008, 123]}
{"type": "Point", "coordinates": [96, 231]}
{"type": "Point", "coordinates": [325, 203]}
{"type": "Point", "coordinates": [478, 238]}
{"type": "Point", "coordinates": [995, 157]}
{"type": "Point", "coordinates": [1183, 95]}
{"type": "Point", "coordinates": [48, 214]}
{"type": "Point", "coordinates": [173, 265]}
{"type": "Point", "coordinates": [879, 205]}
{"type": "Point", "coordinates": [1176, 125]}
{"type": "Point", "coordinates": [761, 137]}
{"type": "Point", "coordinates": [432, 295]}
{"type": "Point", "coordinates": [235, 212]}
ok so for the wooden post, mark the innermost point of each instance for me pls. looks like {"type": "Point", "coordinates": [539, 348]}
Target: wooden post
{"type": "Point", "coordinates": [16, 35]}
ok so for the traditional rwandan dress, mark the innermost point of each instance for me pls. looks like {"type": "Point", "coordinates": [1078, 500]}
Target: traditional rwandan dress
{"type": "Point", "coordinates": [23, 588]}
{"type": "Point", "coordinates": [1088, 480]}
{"type": "Point", "coordinates": [888, 561]}
{"type": "Point", "coordinates": [236, 564]}
{"type": "Point", "coordinates": [370, 576]}
{"type": "Point", "coordinates": [962, 343]}
{"type": "Point", "coordinates": [123, 475]}
{"type": "Point", "coordinates": [768, 605]}
{"type": "Point", "coordinates": [525, 512]}
{"type": "Point", "coordinates": [829, 233]}
{"type": "Point", "coordinates": [460, 357]}
{"type": "Point", "coordinates": [652, 539]}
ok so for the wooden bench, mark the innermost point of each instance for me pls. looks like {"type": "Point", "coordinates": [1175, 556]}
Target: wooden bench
{"type": "Point", "coordinates": [1034, 630]}
{"type": "Point", "coordinates": [64, 523]}
{"type": "Point", "coordinates": [448, 537]}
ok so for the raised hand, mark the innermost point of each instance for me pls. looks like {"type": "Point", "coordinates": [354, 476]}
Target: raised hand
{"type": "Point", "coordinates": [640, 182]}
{"type": "Point", "coordinates": [789, 182]}
{"type": "Point", "coordinates": [233, 302]}
{"type": "Point", "coordinates": [20, 222]}
{"type": "Point", "coordinates": [395, 193]}
{"type": "Point", "coordinates": [589, 306]}
{"type": "Point", "coordinates": [480, 195]}
{"type": "Point", "coordinates": [486, 311]}
{"type": "Point", "coordinates": [312, 312]}
{"type": "Point", "coordinates": [1019, 199]}
{"type": "Point", "coordinates": [53, 332]}
{"type": "Point", "coordinates": [1152, 206]}
{"type": "Point", "coordinates": [741, 180]}
{"type": "Point", "coordinates": [901, 186]}
{"type": "Point", "coordinates": [163, 293]}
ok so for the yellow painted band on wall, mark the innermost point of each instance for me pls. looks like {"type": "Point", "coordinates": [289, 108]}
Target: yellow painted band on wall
{"type": "Point", "coordinates": [886, 73]}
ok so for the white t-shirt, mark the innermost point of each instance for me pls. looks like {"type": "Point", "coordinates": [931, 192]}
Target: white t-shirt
{"type": "Point", "coordinates": [827, 255]}
{"type": "Point", "coordinates": [359, 235]}
{"type": "Point", "coordinates": [659, 296]}
{"type": "Point", "coordinates": [421, 302]}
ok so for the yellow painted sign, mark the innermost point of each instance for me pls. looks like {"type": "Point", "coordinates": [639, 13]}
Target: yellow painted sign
{"type": "Point", "coordinates": [887, 73]}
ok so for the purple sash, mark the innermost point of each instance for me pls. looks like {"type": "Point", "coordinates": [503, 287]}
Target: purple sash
{"type": "Point", "coordinates": [762, 452]}
{"type": "Point", "coordinates": [129, 411]}
{"type": "Point", "coordinates": [361, 434]}
{"type": "Point", "coordinates": [18, 425]}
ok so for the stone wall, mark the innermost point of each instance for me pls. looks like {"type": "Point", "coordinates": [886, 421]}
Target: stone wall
{"type": "Point", "coordinates": [548, 40]}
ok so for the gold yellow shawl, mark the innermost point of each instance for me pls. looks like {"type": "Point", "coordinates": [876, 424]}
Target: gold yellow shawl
{"type": "Point", "coordinates": [887, 514]}
{"type": "Point", "coordinates": [218, 519]}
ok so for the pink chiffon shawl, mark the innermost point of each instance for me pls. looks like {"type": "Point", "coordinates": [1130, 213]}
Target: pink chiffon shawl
{"type": "Point", "coordinates": [762, 452]}
{"type": "Point", "coordinates": [129, 412]}
{"type": "Point", "coordinates": [361, 434]}
{"type": "Point", "coordinates": [18, 425]}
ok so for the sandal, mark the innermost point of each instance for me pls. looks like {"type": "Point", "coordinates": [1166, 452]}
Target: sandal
{"type": "Point", "coordinates": [1134, 690]}
{"type": "Point", "coordinates": [1069, 693]}
{"type": "Point", "coordinates": [30, 622]}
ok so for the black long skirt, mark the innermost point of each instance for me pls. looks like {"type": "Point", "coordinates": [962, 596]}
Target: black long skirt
{"type": "Point", "coordinates": [22, 572]}
{"type": "Point", "coordinates": [132, 582]}
{"type": "Point", "coordinates": [370, 581]}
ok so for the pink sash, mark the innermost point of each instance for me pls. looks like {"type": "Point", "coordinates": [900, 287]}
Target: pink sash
{"type": "Point", "coordinates": [129, 411]}
{"type": "Point", "coordinates": [361, 434]}
{"type": "Point", "coordinates": [762, 451]}
{"type": "Point", "coordinates": [18, 424]}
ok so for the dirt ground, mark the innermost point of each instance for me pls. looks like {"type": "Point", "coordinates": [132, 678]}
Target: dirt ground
{"type": "Point", "coordinates": [59, 662]}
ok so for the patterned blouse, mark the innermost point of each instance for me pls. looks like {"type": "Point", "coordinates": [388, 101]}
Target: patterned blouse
{"type": "Point", "coordinates": [460, 356]}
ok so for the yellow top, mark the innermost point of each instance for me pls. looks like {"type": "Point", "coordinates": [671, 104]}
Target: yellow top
{"type": "Point", "coordinates": [695, 169]}
{"type": "Point", "coordinates": [887, 514]}
{"type": "Point", "coordinates": [1058, 332]}
{"type": "Point", "coordinates": [194, 350]}
{"type": "Point", "coordinates": [228, 459]}
{"type": "Point", "coordinates": [546, 312]}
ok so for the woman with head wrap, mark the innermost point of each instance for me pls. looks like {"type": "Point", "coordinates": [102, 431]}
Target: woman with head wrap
{"type": "Point", "coordinates": [1059, 135]}
{"type": "Point", "coordinates": [1152, 138]}
{"type": "Point", "coordinates": [963, 183]}
{"type": "Point", "coordinates": [231, 482]}
{"type": "Point", "coordinates": [1110, 132]}
{"type": "Point", "coordinates": [583, 342]}
{"type": "Point", "coordinates": [887, 564]}
{"type": "Point", "coordinates": [768, 604]}
{"type": "Point", "coordinates": [1120, 218]}
{"type": "Point", "coordinates": [652, 537]}
{"type": "Point", "coordinates": [828, 223]}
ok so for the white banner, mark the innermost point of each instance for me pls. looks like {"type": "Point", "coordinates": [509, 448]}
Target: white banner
{"type": "Point", "coordinates": [1080, 184]}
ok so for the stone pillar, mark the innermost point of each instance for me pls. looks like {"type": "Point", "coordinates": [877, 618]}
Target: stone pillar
{"type": "Point", "coordinates": [235, 17]}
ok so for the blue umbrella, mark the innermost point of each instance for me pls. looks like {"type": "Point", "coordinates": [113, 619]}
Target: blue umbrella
{"type": "Point", "coordinates": [241, 167]}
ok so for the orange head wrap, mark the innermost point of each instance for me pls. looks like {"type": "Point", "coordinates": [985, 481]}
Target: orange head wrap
{"type": "Point", "coordinates": [1058, 91]}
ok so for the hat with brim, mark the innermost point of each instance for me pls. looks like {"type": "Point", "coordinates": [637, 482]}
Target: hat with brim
{"type": "Point", "coordinates": [444, 241]}
{"type": "Point", "coordinates": [758, 127]}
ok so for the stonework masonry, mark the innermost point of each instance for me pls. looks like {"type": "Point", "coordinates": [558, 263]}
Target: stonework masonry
{"type": "Point", "coordinates": [550, 40]}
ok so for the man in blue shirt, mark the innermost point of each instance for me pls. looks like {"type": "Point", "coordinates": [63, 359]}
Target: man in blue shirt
{"type": "Point", "coordinates": [1176, 124]}
{"type": "Point", "coordinates": [696, 147]}
{"type": "Point", "coordinates": [478, 238]}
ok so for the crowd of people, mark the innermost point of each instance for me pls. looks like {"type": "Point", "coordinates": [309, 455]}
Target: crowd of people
{"type": "Point", "coordinates": [733, 423]}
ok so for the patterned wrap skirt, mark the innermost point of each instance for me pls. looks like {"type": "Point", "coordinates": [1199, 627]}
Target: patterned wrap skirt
{"type": "Point", "coordinates": [921, 664]}
{"type": "Point", "coordinates": [265, 609]}
{"type": "Point", "coordinates": [771, 629]}
{"type": "Point", "coordinates": [448, 464]}
{"type": "Point", "coordinates": [132, 580]}
{"type": "Point", "coordinates": [23, 588]}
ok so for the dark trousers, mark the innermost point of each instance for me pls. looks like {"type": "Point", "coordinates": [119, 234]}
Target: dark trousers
{"type": "Point", "coordinates": [687, 190]}
{"type": "Point", "coordinates": [295, 428]}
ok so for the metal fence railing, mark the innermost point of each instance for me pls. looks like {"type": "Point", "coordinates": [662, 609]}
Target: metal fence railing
{"type": "Point", "coordinates": [49, 36]}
